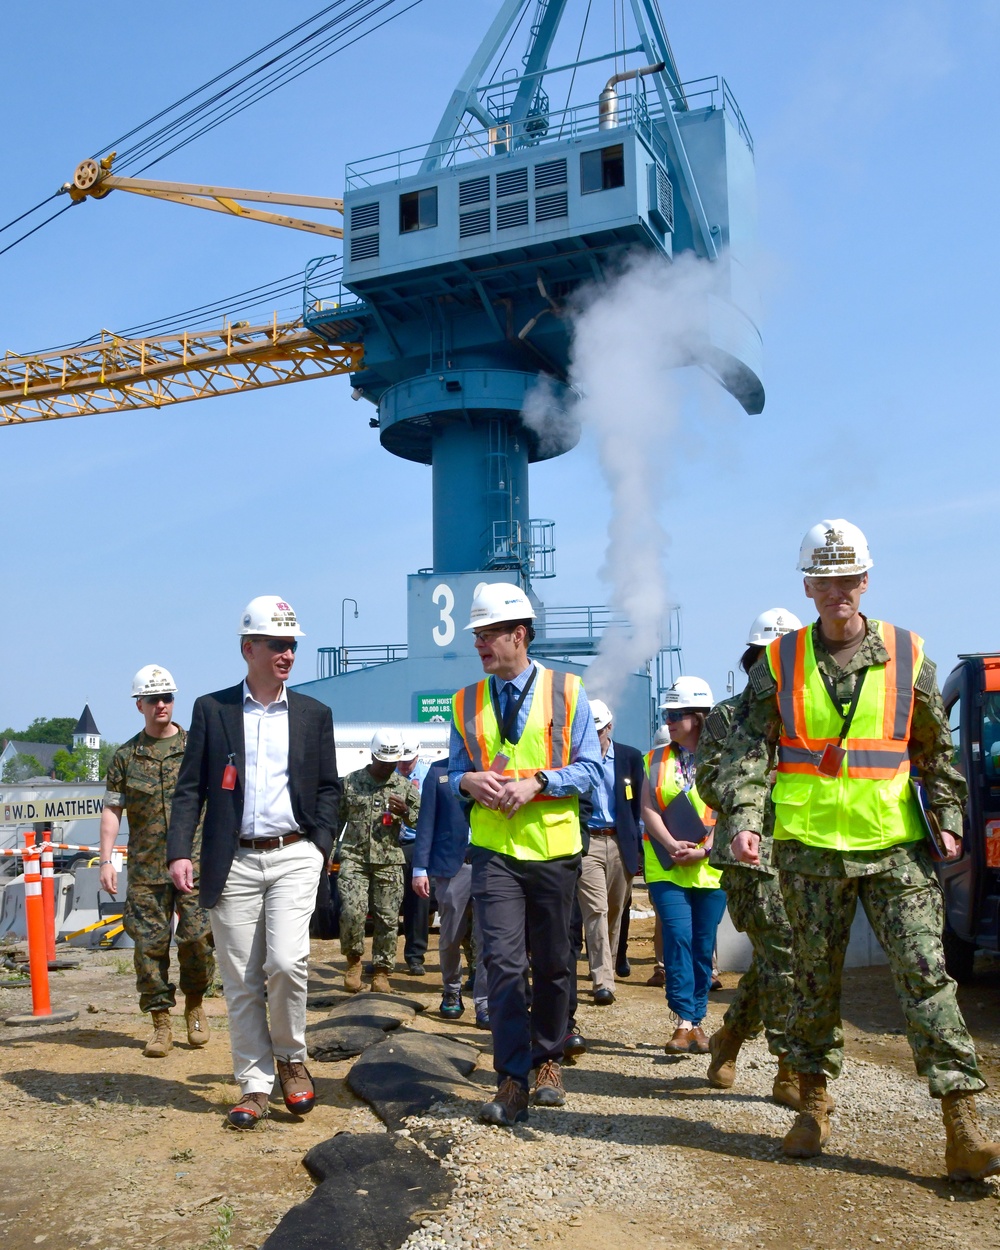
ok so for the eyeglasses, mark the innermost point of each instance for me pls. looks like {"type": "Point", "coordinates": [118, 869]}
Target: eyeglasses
{"type": "Point", "coordinates": [280, 645]}
{"type": "Point", "coordinates": [671, 718]}
{"type": "Point", "coordinates": [836, 583]}
{"type": "Point", "coordinates": [151, 700]}
{"type": "Point", "coordinates": [488, 635]}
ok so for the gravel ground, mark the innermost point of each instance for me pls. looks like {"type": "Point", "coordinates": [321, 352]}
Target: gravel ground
{"type": "Point", "coordinates": [645, 1151]}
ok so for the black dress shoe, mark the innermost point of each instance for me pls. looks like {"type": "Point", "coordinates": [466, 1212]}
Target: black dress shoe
{"type": "Point", "coordinates": [603, 998]}
{"type": "Point", "coordinates": [574, 1045]}
{"type": "Point", "coordinates": [623, 968]}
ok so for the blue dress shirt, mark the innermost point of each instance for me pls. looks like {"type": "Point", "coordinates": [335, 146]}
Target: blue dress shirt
{"type": "Point", "coordinates": [584, 771]}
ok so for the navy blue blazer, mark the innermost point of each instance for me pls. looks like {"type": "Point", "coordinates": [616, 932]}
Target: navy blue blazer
{"type": "Point", "coordinates": [629, 768]}
{"type": "Point", "coordinates": [442, 827]}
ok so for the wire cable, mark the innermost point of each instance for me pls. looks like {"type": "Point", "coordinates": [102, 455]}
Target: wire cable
{"type": "Point", "coordinates": [28, 235]}
{"type": "Point", "coordinates": [28, 212]}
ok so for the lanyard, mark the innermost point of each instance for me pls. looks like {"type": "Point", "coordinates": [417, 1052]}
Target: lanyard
{"type": "Point", "coordinates": [507, 723]}
{"type": "Point", "coordinates": [855, 697]}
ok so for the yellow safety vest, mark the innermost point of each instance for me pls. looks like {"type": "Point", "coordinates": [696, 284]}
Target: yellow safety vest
{"type": "Point", "coordinates": [547, 827]}
{"type": "Point", "coordinates": [868, 805]}
{"type": "Point", "coordinates": [666, 781]}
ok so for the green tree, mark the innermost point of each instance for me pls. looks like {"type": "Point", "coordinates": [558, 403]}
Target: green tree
{"type": "Point", "coordinates": [57, 730]}
{"type": "Point", "coordinates": [74, 765]}
{"type": "Point", "coordinates": [20, 768]}
{"type": "Point", "coordinates": [106, 754]}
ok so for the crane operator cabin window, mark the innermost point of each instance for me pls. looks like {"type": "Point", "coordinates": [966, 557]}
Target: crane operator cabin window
{"type": "Point", "coordinates": [418, 210]}
{"type": "Point", "coordinates": [602, 168]}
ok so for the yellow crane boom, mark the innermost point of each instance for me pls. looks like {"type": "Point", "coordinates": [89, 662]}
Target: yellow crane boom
{"type": "Point", "coordinates": [115, 374]}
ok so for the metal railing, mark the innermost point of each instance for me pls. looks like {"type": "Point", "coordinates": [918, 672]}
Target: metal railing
{"type": "Point", "coordinates": [335, 661]}
{"type": "Point", "coordinates": [511, 138]}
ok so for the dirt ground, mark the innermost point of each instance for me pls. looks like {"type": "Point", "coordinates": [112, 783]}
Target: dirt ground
{"type": "Point", "coordinates": [104, 1148]}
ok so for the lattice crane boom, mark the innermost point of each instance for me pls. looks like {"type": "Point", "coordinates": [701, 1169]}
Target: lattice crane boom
{"type": "Point", "coordinates": [116, 374]}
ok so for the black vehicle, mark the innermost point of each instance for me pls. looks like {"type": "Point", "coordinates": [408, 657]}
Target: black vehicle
{"type": "Point", "coordinates": [972, 884]}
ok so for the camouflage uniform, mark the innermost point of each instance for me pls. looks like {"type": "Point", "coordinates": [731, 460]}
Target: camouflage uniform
{"type": "Point", "coordinates": [141, 778]}
{"type": "Point", "coordinates": [753, 895]}
{"type": "Point", "coordinates": [371, 862]}
{"type": "Point", "coordinates": [897, 886]}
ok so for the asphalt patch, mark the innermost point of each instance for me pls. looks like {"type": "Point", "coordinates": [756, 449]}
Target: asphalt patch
{"type": "Point", "coordinates": [407, 1072]}
{"type": "Point", "coordinates": [356, 1023]}
{"type": "Point", "coordinates": [373, 1190]}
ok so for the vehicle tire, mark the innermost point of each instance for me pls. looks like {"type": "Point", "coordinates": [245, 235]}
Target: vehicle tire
{"type": "Point", "coordinates": [959, 956]}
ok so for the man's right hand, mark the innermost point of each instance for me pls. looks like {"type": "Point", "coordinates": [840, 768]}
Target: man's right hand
{"type": "Point", "coordinates": [182, 875]}
{"type": "Point", "coordinates": [746, 847]}
{"type": "Point", "coordinates": [421, 886]}
{"type": "Point", "coordinates": [485, 788]}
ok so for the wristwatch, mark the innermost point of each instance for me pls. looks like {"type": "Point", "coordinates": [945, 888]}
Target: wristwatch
{"type": "Point", "coordinates": [542, 779]}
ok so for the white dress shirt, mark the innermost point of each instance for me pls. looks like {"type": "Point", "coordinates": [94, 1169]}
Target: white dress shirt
{"type": "Point", "coordinates": [267, 804]}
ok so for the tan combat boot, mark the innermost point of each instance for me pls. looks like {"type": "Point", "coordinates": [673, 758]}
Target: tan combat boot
{"type": "Point", "coordinates": [352, 977]}
{"type": "Point", "coordinates": [724, 1047]}
{"type": "Point", "coordinates": [786, 1088]}
{"type": "Point", "coordinates": [196, 1021]}
{"type": "Point", "coordinates": [380, 981]}
{"type": "Point", "coordinates": [968, 1155]}
{"type": "Point", "coordinates": [162, 1041]}
{"type": "Point", "coordinates": [811, 1130]}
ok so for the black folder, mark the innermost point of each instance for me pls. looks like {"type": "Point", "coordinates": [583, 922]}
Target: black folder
{"type": "Point", "coordinates": [683, 824]}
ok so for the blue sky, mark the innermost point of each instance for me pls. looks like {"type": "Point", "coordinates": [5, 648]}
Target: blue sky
{"type": "Point", "coordinates": [137, 538]}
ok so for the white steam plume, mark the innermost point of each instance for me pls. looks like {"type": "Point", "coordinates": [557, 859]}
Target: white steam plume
{"type": "Point", "coordinates": [628, 336]}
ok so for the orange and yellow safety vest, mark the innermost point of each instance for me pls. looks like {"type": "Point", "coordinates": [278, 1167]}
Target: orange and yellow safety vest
{"type": "Point", "coordinates": [666, 781]}
{"type": "Point", "coordinates": [547, 827]}
{"type": "Point", "coordinates": [868, 805]}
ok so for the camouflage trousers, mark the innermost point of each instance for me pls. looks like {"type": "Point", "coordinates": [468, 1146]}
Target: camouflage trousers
{"type": "Point", "coordinates": [905, 908]}
{"type": "Point", "coordinates": [378, 887]}
{"type": "Point", "coordinates": [764, 993]}
{"type": "Point", "coordinates": [147, 919]}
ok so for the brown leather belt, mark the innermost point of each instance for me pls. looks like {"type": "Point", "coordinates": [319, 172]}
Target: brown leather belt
{"type": "Point", "coordinates": [603, 833]}
{"type": "Point", "coordinates": [272, 844]}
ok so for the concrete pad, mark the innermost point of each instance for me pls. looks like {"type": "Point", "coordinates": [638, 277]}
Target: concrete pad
{"type": "Point", "coordinates": [356, 1023]}
{"type": "Point", "coordinates": [373, 1190]}
{"type": "Point", "coordinates": [408, 1072]}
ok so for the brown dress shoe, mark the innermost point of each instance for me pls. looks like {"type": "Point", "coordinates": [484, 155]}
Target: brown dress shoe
{"type": "Point", "coordinates": [296, 1086]}
{"type": "Point", "coordinates": [549, 1090]}
{"type": "Point", "coordinates": [682, 1042]}
{"type": "Point", "coordinates": [249, 1109]}
{"type": "Point", "coordinates": [699, 1042]}
{"type": "Point", "coordinates": [509, 1107]}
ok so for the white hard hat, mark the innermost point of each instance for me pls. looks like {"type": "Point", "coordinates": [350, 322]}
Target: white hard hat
{"type": "Point", "coordinates": [411, 747]}
{"type": "Point", "coordinates": [834, 549]}
{"type": "Point", "coordinates": [271, 617]}
{"type": "Point", "coordinates": [772, 624]}
{"type": "Point", "coordinates": [603, 716]}
{"type": "Point", "coordinates": [661, 737]}
{"type": "Point", "coordinates": [151, 679]}
{"type": "Point", "coordinates": [387, 745]}
{"type": "Point", "coordinates": [688, 692]}
{"type": "Point", "coordinates": [497, 602]}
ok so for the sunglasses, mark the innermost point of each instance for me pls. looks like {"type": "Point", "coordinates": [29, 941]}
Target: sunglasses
{"type": "Point", "coordinates": [151, 700]}
{"type": "Point", "coordinates": [280, 645]}
{"type": "Point", "coordinates": [672, 718]}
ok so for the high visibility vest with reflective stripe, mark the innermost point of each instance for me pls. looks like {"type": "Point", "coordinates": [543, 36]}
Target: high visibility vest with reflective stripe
{"type": "Point", "coordinates": [547, 827]}
{"type": "Point", "coordinates": [868, 805]}
{"type": "Point", "coordinates": [666, 781]}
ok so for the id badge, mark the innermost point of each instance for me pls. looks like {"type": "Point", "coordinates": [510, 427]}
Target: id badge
{"type": "Point", "coordinates": [628, 790]}
{"type": "Point", "coordinates": [229, 777]}
{"type": "Point", "coordinates": [831, 760]}
{"type": "Point", "coordinates": [500, 762]}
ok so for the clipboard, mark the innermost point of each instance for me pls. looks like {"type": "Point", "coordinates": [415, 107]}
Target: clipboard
{"type": "Point", "coordinates": [683, 824]}
{"type": "Point", "coordinates": [931, 825]}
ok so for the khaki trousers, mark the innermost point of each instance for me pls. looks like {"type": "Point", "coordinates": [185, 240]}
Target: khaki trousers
{"type": "Point", "coordinates": [603, 891]}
